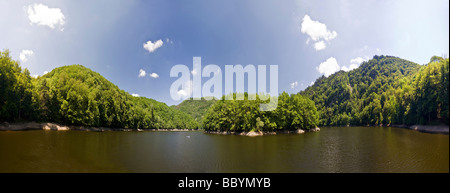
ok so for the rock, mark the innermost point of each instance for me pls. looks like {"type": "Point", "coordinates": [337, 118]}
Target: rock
{"type": "Point", "coordinates": [254, 133]}
{"type": "Point", "coordinates": [55, 127]}
{"type": "Point", "coordinates": [315, 129]}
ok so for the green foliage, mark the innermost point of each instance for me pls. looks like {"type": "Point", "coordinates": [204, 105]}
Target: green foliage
{"type": "Point", "coordinates": [16, 94]}
{"type": "Point", "coordinates": [431, 91]}
{"type": "Point", "coordinates": [195, 108]}
{"type": "Point", "coordinates": [75, 95]}
{"type": "Point", "coordinates": [384, 90]}
{"type": "Point", "coordinates": [293, 112]}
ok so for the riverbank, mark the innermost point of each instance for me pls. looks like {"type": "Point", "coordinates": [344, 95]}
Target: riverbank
{"type": "Point", "coordinates": [261, 133]}
{"type": "Point", "coordinates": [26, 126]}
{"type": "Point", "coordinates": [434, 129]}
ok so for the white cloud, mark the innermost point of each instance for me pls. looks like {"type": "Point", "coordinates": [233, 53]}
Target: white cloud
{"type": "Point", "coordinates": [319, 45]}
{"type": "Point", "coordinates": [354, 63]}
{"type": "Point", "coordinates": [142, 73]}
{"type": "Point", "coordinates": [317, 32]}
{"type": "Point", "coordinates": [328, 67]}
{"type": "Point", "coordinates": [187, 91]}
{"type": "Point", "coordinates": [351, 67]}
{"type": "Point", "coordinates": [45, 72]}
{"type": "Point", "coordinates": [312, 83]}
{"type": "Point", "coordinates": [154, 75]}
{"type": "Point", "coordinates": [294, 84]}
{"type": "Point", "coordinates": [24, 55]}
{"type": "Point", "coordinates": [151, 47]}
{"type": "Point", "coordinates": [357, 60]}
{"type": "Point", "coordinates": [35, 76]}
{"type": "Point", "coordinates": [43, 15]}
{"type": "Point", "coordinates": [135, 95]}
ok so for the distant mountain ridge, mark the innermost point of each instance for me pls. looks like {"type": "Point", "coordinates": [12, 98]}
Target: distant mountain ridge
{"type": "Point", "coordinates": [195, 108]}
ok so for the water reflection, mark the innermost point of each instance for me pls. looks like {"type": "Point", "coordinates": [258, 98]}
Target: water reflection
{"type": "Point", "coordinates": [341, 149]}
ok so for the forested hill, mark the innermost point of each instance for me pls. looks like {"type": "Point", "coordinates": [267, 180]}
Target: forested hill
{"type": "Point", "coordinates": [384, 90]}
{"type": "Point", "coordinates": [76, 95]}
{"type": "Point", "coordinates": [195, 108]}
{"type": "Point", "coordinates": [293, 112]}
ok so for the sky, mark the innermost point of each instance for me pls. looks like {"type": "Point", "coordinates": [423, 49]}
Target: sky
{"type": "Point", "coordinates": [135, 43]}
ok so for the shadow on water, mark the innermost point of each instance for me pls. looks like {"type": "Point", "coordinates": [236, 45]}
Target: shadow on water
{"type": "Point", "coordinates": [333, 149]}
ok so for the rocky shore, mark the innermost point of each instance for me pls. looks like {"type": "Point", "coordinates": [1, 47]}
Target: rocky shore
{"type": "Point", "coordinates": [261, 133]}
{"type": "Point", "coordinates": [436, 129]}
{"type": "Point", "coordinates": [26, 126]}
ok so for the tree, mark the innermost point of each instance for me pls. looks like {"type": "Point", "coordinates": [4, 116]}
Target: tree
{"type": "Point", "coordinates": [292, 112]}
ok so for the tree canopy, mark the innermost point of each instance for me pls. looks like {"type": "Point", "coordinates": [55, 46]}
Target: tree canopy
{"type": "Point", "coordinates": [76, 95]}
{"type": "Point", "coordinates": [384, 90]}
{"type": "Point", "coordinates": [195, 108]}
{"type": "Point", "coordinates": [293, 112]}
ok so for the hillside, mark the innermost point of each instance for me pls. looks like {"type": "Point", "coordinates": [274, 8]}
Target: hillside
{"type": "Point", "coordinates": [293, 112]}
{"type": "Point", "coordinates": [195, 108]}
{"type": "Point", "coordinates": [76, 95]}
{"type": "Point", "coordinates": [383, 90]}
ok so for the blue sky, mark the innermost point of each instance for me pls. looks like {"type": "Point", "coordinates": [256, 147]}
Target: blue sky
{"type": "Point", "coordinates": [306, 39]}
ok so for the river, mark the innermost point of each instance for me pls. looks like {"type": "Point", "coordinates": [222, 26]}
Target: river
{"type": "Point", "coordinates": [333, 149]}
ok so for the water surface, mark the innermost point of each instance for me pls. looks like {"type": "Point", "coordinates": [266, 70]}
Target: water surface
{"type": "Point", "coordinates": [333, 149]}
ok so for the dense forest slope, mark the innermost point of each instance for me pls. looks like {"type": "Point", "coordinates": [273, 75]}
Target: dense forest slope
{"type": "Point", "coordinates": [76, 95]}
{"type": "Point", "coordinates": [384, 90]}
{"type": "Point", "coordinates": [293, 112]}
{"type": "Point", "coordinates": [195, 108]}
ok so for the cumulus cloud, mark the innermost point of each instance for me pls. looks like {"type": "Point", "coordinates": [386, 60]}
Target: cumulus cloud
{"type": "Point", "coordinates": [152, 46]}
{"type": "Point", "coordinates": [43, 15]}
{"type": "Point", "coordinates": [45, 72]}
{"type": "Point", "coordinates": [317, 32]}
{"type": "Point", "coordinates": [319, 45]}
{"type": "Point", "coordinates": [331, 66]}
{"type": "Point", "coordinates": [186, 91]}
{"type": "Point", "coordinates": [354, 63]}
{"type": "Point", "coordinates": [294, 84]}
{"type": "Point", "coordinates": [24, 55]}
{"type": "Point", "coordinates": [142, 73]}
{"type": "Point", "coordinates": [357, 60]}
{"type": "Point", "coordinates": [135, 95]}
{"type": "Point", "coordinates": [328, 67]}
{"type": "Point", "coordinates": [154, 75]}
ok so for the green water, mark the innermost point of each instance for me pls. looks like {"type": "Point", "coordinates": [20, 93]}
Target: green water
{"type": "Point", "coordinates": [338, 149]}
